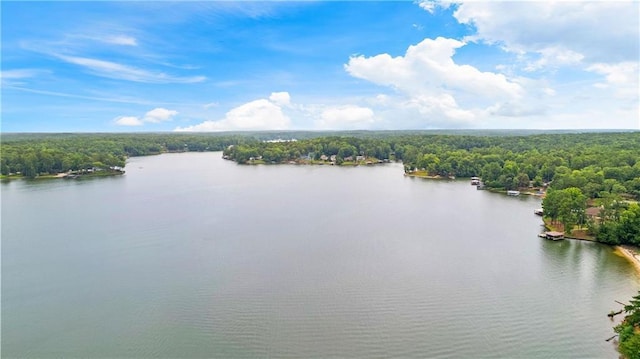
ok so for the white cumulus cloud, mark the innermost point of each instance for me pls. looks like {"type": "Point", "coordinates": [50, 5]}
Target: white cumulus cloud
{"type": "Point", "coordinates": [280, 98]}
{"type": "Point", "coordinates": [582, 38]}
{"type": "Point", "coordinates": [428, 67]}
{"type": "Point", "coordinates": [596, 31]}
{"type": "Point", "coordinates": [128, 121]}
{"type": "Point", "coordinates": [156, 115]}
{"type": "Point", "coordinates": [428, 5]}
{"type": "Point", "coordinates": [618, 74]}
{"type": "Point", "coordinates": [431, 5]}
{"type": "Point", "coordinates": [623, 78]}
{"type": "Point", "coordinates": [261, 114]}
{"type": "Point", "coordinates": [345, 117]}
{"type": "Point", "coordinates": [159, 115]}
{"type": "Point", "coordinates": [554, 56]}
{"type": "Point", "coordinates": [443, 104]}
{"type": "Point", "coordinates": [434, 85]}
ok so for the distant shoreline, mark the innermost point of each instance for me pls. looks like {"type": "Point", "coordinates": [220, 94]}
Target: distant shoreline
{"type": "Point", "coordinates": [66, 175]}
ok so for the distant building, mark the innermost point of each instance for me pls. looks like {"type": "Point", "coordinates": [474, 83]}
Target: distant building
{"type": "Point", "coordinates": [593, 212]}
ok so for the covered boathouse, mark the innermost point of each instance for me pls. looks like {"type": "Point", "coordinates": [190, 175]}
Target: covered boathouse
{"type": "Point", "coordinates": [552, 235]}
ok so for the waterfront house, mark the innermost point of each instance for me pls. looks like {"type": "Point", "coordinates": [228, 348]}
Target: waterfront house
{"type": "Point", "coordinates": [593, 212]}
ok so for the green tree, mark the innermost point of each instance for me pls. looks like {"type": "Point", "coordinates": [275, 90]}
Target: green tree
{"type": "Point", "coordinates": [628, 230]}
{"type": "Point", "coordinates": [347, 151]}
{"type": "Point", "coordinates": [523, 180]}
{"type": "Point", "coordinates": [4, 168]}
{"type": "Point", "coordinates": [629, 331]}
{"type": "Point", "coordinates": [491, 172]}
{"type": "Point", "coordinates": [429, 162]}
{"type": "Point", "coordinates": [566, 205]}
{"type": "Point", "coordinates": [572, 208]}
{"type": "Point", "coordinates": [551, 205]}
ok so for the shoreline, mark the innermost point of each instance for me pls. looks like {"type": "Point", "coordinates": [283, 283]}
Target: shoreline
{"type": "Point", "coordinates": [64, 175]}
{"type": "Point", "coordinates": [577, 234]}
{"type": "Point", "coordinates": [630, 254]}
{"type": "Point", "coordinates": [436, 177]}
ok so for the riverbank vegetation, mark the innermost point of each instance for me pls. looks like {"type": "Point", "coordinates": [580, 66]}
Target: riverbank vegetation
{"type": "Point", "coordinates": [629, 330]}
{"type": "Point", "coordinates": [609, 218]}
{"type": "Point", "coordinates": [596, 163]}
{"type": "Point", "coordinates": [33, 155]}
{"type": "Point", "coordinates": [40, 155]}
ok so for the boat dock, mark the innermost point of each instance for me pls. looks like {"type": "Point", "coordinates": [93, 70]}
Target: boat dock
{"type": "Point", "coordinates": [552, 235]}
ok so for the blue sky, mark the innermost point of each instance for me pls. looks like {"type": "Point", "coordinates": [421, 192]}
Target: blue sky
{"type": "Point", "coordinates": [218, 66]}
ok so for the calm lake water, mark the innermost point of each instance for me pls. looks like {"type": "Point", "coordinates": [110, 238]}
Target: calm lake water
{"type": "Point", "coordinates": [188, 255]}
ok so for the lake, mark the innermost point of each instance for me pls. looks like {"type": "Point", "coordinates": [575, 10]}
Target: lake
{"type": "Point", "coordinates": [188, 255]}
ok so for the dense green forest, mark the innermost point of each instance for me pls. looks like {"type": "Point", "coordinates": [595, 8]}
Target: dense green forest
{"type": "Point", "coordinates": [578, 171]}
{"type": "Point", "coordinates": [32, 155]}
{"type": "Point", "coordinates": [594, 162]}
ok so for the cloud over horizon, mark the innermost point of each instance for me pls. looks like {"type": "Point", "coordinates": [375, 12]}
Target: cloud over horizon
{"type": "Point", "coordinates": [429, 79]}
{"type": "Point", "coordinates": [157, 115]}
{"type": "Point", "coordinates": [128, 121]}
{"type": "Point", "coordinates": [262, 114]}
{"type": "Point", "coordinates": [345, 117]}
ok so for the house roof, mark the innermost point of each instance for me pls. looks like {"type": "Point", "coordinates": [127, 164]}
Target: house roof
{"type": "Point", "coordinates": [592, 211]}
{"type": "Point", "coordinates": [555, 234]}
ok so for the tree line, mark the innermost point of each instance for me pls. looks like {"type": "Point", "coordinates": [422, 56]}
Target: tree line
{"type": "Point", "coordinates": [31, 155]}
{"type": "Point", "coordinates": [598, 164]}
{"type": "Point", "coordinates": [594, 162]}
